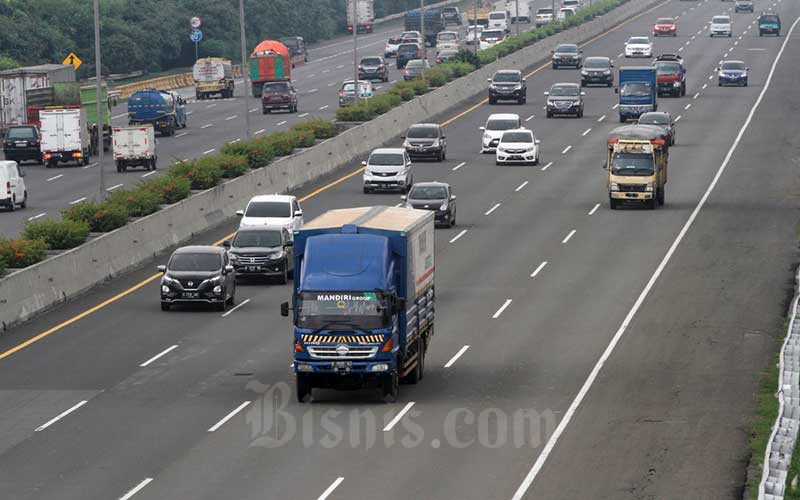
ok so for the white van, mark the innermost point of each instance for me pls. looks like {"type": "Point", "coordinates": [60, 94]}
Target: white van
{"type": "Point", "coordinates": [572, 4]}
{"type": "Point", "coordinates": [498, 20]}
{"type": "Point", "coordinates": [12, 186]}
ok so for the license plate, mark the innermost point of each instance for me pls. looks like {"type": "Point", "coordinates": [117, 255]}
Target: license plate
{"type": "Point", "coordinates": [191, 295]}
{"type": "Point", "coordinates": [342, 366]}
{"type": "Point", "coordinates": [21, 144]}
{"type": "Point", "coordinates": [253, 269]}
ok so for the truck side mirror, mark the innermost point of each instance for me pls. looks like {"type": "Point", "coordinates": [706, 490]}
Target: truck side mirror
{"type": "Point", "coordinates": [285, 309]}
{"type": "Point", "coordinates": [616, 90]}
{"type": "Point", "coordinates": [289, 243]}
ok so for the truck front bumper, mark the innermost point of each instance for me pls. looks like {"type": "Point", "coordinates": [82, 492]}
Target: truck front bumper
{"type": "Point", "coordinates": [633, 196]}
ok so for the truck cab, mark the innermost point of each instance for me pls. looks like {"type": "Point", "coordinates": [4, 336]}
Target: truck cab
{"type": "Point", "coordinates": [165, 110]}
{"type": "Point", "coordinates": [637, 91]}
{"type": "Point", "coordinates": [636, 162]}
{"type": "Point", "coordinates": [213, 75]}
{"type": "Point", "coordinates": [670, 75]}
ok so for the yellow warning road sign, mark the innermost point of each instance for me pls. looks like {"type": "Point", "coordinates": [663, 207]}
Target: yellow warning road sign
{"type": "Point", "coordinates": [73, 60]}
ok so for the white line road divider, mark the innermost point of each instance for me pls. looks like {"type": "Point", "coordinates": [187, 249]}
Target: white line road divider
{"type": "Point", "coordinates": [688, 106]}
{"type": "Point", "coordinates": [181, 134]}
{"type": "Point", "coordinates": [77, 201]}
{"type": "Point", "coordinates": [327, 493]}
{"type": "Point", "coordinates": [521, 186]}
{"type": "Point", "coordinates": [586, 132]}
{"type": "Point", "coordinates": [56, 177]}
{"type": "Point", "coordinates": [229, 416]}
{"type": "Point", "coordinates": [90, 166]}
{"type": "Point", "coordinates": [502, 308]}
{"type": "Point", "coordinates": [209, 151]}
{"type": "Point", "coordinates": [59, 416]}
{"type": "Point", "coordinates": [323, 107]}
{"type": "Point", "coordinates": [398, 417]}
{"type": "Point", "coordinates": [232, 117]}
{"type": "Point", "coordinates": [37, 216]}
{"type": "Point", "coordinates": [459, 235]}
{"type": "Point", "coordinates": [570, 235]}
{"type": "Point", "coordinates": [601, 118]}
{"type": "Point", "coordinates": [303, 115]}
{"type": "Point", "coordinates": [495, 207]}
{"type": "Point", "coordinates": [240, 304]}
{"type": "Point", "coordinates": [137, 489]}
{"type": "Point", "coordinates": [459, 166]}
{"type": "Point", "coordinates": [207, 125]}
{"type": "Point", "coordinates": [457, 355]}
{"type": "Point", "coordinates": [547, 166]}
{"type": "Point", "coordinates": [257, 132]}
{"type": "Point", "coordinates": [594, 209]}
{"type": "Point", "coordinates": [538, 269]}
{"type": "Point", "coordinates": [281, 123]}
{"type": "Point", "coordinates": [530, 118]}
{"type": "Point", "coordinates": [115, 187]}
{"type": "Point", "coordinates": [162, 353]}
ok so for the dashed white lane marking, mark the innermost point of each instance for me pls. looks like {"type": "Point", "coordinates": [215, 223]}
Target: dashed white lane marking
{"type": "Point", "coordinates": [207, 125]}
{"type": "Point", "coordinates": [312, 75]}
{"type": "Point", "coordinates": [253, 110]}
{"type": "Point", "coordinates": [331, 84]}
{"type": "Point", "coordinates": [37, 216]}
{"type": "Point", "coordinates": [77, 201]}
{"type": "Point", "coordinates": [189, 113]}
{"type": "Point", "coordinates": [159, 355]}
{"type": "Point", "coordinates": [566, 149]}
{"type": "Point", "coordinates": [678, 118]}
{"type": "Point", "coordinates": [459, 235]}
{"type": "Point", "coordinates": [303, 115]}
{"type": "Point", "coordinates": [601, 118]}
{"type": "Point", "coordinates": [456, 356]}
{"type": "Point", "coordinates": [521, 186]}
{"type": "Point", "coordinates": [398, 416]}
{"type": "Point", "coordinates": [90, 166]}
{"type": "Point", "coordinates": [459, 166]}
{"type": "Point", "coordinates": [181, 134]}
{"type": "Point", "coordinates": [594, 209]}
{"type": "Point", "coordinates": [323, 107]}
{"type": "Point", "coordinates": [59, 416]}
{"type": "Point", "coordinates": [586, 132]}
{"type": "Point", "coordinates": [615, 106]}
{"type": "Point", "coordinates": [495, 207]}
{"type": "Point", "coordinates": [704, 86]}
{"type": "Point", "coordinates": [502, 308]}
{"type": "Point", "coordinates": [312, 91]}
{"type": "Point", "coordinates": [696, 95]}
{"type": "Point", "coordinates": [680, 49]}
{"type": "Point", "coordinates": [378, 87]}
{"type": "Point", "coordinates": [209, 151]}
{"type": "Point", "coordinates": [330, 489]}
{"type": "Point", "coordinates": [710, 77]}
{"type": "Point", "coordinates": [569, 236]}
{"type": "Point", "coordinates": [234, 141]}
{"type": "Point", "coordinates": [210, 105]}
{"type": "Point", "coordinates": [538, 269]}
{"type": "Point", "coordinates": [119, 116]}
{"type": "Point", "coordinates": [546, 166]}
{"type": "Point", "coordinates": [148, 174]}
{"type": "Point", "coordinates": [232, 117]}
{"type": "Point", "coordinates": [529, 118]}
{"type": "Point", "coordinates": [281, 123]}
{"type": "Point", "coordinates": [688, 106]}
{"type": "Point", "coordinates": [137, 489]}
{"type": "Point", "coordinates": [259, 131]}
{"type": "Point", "coordinates": [56, 177]}
{"type": "Point", "coordinates": [114, 187]}
{"type": "Point", "coordinates": [229, 416]}
{"type": "Point", "coordinates": [240, 304]}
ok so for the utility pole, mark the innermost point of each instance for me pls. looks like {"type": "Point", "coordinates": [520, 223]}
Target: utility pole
{"type": "Point", "coordinates": [424, 38]}
{"type": "Point", "coordinates": [475, 37]}
{"type": "Point", "coordinates": [355, 52]}
{"type": "Point", "coordinates": [245, 72]}
{"type": "Point", "coordinates": [99, 81]}
{"type": "Point", "coordinates": [516, 15]}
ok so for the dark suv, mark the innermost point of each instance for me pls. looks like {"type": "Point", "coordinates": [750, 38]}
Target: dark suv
{"type": "Point", "coordinates": [22, 143]}
{"type": "Point", "coordinates": [769, 23]}
{"type": "Point", "coordinates": [597, 71]}
{"type": "Point", "coordinates": [437, 197]}
{"type": "Point", "coordinates": [262, 252]}
{"type": "Point", "coordinates": [670, 75]}
{"type": "Point", "coordinates": [371, 68]}
{"type": "Point", "coordinates": [451, 15]}
{"type": "Point", "coordinates": [407, 52]}
{"type": "Point", "coordinates": [278, 95]}
{"type": "Point", "coordinates": [565, 99]}
{"type": "Point", "coordinates": [426, 140]}
{"type": "Point", "coordinates": [508, 84]}
{"type": "Point", "coordinates": [198, 274]}
{"type": "Point", "coordinates": [567, 54]}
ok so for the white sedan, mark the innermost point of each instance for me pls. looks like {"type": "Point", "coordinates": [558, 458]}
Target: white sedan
{"type": "Point", "coordinates": [638, 46]}
{"type": "Point", "coordinates": [517, 146]}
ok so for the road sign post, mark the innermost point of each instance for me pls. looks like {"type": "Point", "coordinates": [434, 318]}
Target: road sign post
{"type": "Point", "coordinates": [196, 35]}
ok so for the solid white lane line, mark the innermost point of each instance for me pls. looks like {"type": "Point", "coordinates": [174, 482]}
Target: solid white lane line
{"type": "Point", "coordinates": [137, 489]}
{"type": "Point", "coordinates": [333, 486]}
{"type": "Point", "coordinates": [502, 308]}
{"type": "Point", "coordinates": [209, 151]}
{"type": "Point", "coordinates": [567, 238]}
{"type": "Point", "coordinates": [615, 106]}
{"type": "Point", "coordinates": [538, 269]}
{"type": "Point", "coordinates": [529, 118]}
{"type": "Point", "coordinates": [259, 131]}
{"type": "Point", "coordinates": [398, 417]}
{"type": "Point", "coordinates": [586, 132]}
{"type": "Point", "coordinates": [232, 117]}
{"type": "Point", "coordinates": [547, 166]}
{"type": "Point", "coordinates": [229, 416]}
{"type": "Point", "coordinates": [181, 134]}
{"type": "Point", "coordinates": [587, 385]}
{"type": "Point", "coordinates": [459, 235]}
{"type": "Point", "coordinates": [280, 123]}
{"type": "Point", "coordinates": [594, 209]}
{"type": "Point", "coordinates": [119, 116]}
{"type": "Point", "coordinates": [459, 166]}
{"type": "Point", "coordinates": [59, 416]}
{"type": "Point", "coordinates": [207, 125]}
{"type": "Point", "coordinates": [521, 186]}
{"type": "Point", "coordinates": [77, 201]}
{"type": "Point", "coordinates": [457, 355]}
{"type": "Point", "coordinates": [688, 106]}
{"type": "Point", "coordinates": [323, 107]}
{"type": "Point", "coordinates": [601, 118]}
{"type": "Point", "coordinates": [303, 115]}
{"type": "Point", "coordinates": [162, 353]}
{"type": "Point", "coordinates": [148, 174]}
{"type": "Point", "coordinates": [115, 187]}
{"type": "Point", "coordinates": [566, 149]}
{"type": "Point", "coordinates": [240, 304]}
{"type": "Point", "coordinates": [56, 177]}
{"type": "Point", "coordinates": [37, 216]}
{"type": "Point", "coordinates": [495, 207]}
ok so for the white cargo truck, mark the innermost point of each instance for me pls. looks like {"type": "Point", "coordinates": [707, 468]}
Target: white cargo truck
{"type": "Point", "coordinates": [65, 136]}
{"type": "Point", "coordinates": [213, 75]}
{"type": "Point", "coordinates": [365, 16]}
{"type": "Point", "coordinates": [135, 147]}
{"type": "Point", "coordinates": [524, 14]}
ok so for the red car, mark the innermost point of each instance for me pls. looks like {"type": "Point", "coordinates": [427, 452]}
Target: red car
{"type": "Point", "coordinates": [665, 26]}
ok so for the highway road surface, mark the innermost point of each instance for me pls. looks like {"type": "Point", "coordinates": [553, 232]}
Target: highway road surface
{"type": "Point", "coordinates": [633, 339]}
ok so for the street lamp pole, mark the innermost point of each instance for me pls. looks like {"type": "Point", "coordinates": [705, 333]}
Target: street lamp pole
{"type": "Point", "coordinates": [516, 15]}
{"type": "Point", "coordinates": [475, 25]}
{"type": "Point", "coordinates": [424, 38]}
{"type": "Point", "coordinates": [355, 52]}
{"type": "Point", "coordinates": [99, 78]}
{"type": "Point", "coordinates": [245, 72]}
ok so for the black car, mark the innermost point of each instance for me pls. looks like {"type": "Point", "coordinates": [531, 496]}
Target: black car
{"type": "Point", "coordinates": [371, 68]}
{"type": "Point", "coordinates": [744, 6]}
{"type": "Point", "coordinates": [509, 85]}
{"type": "Point", "coordinates": [435, 196]}
{"type": "Point", "coordinates": [407, 52]}
{"type": "Point", "coordinates": [565, 99]}
{"type": "Point", "coordinates": [22, 144]}
{"type": "Point", "coordinates": [198, 274]}
{"type": "Point", "coordinates": [262, 252]}
{"type": "Point", "coordinates": [278, 95]}
{"type": "Point", "coordinates": [426, 140]}
{"type": "Point", "coordinates": [567, 54]}
{"type": "Point", "coordinates": [597, 71]}
{"type": "Point", "coordinates": [660, 119]}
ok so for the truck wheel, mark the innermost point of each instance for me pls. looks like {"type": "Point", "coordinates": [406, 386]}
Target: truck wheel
{"type": "Point", "coordinates": [651, 203]}
{"type": "Point", "coordinates": [119, 166]}
{"type": "Point", "coordinates": [390, 387]}
{"type": "Point", "coordinates": [302, 387]}
{"type": "Point", "coordinates": [415, 376]}
{"type": "Point", "coordinates": [661, 196]}
{"type": "Point", "coordinates": [612, 203]}
{"type": "Point", "coordinates": [13, 206]}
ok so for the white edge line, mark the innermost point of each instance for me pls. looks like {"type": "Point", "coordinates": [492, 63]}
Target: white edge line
{"type": "Point", "coordinates": [538, 269]}
{"type": "Point", "coordinates": [594, 209]}
{"type": "Point", "coordinates": [240, 304]}
{"type": "Point", "coordinates": [59, 416]}
{"type": "Point", "coordinates": [459, 235]}
{"type": "Point", "coordinates": [137, 488]}
{"type": "Point", "coordinates": [502, 308]}
{"type": "Point", "coordinates": [77, 201]}
{"type": "Point", "coordinates": [398, 417]}
{"type": "Point", "coordinates": [115, 187]}
{"type": "Point", "coordinates": [456, 356]}
{"type": "Point", "coordinates": [333, 486]}
{"type": "Point", "coordinates": [229, 416]}
{"type": "Point", "coordinates": [573, 407]}
{"type": "Point", "coordinates": [162, 353]}
{"type": "Point", "coordinates": [37, 216]}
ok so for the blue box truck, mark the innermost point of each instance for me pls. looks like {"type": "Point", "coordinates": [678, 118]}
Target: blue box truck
{"type": "Point", "coordinates": [166, 111]}
{"type": "Point", "coordinates": [363, 299]}
{"type": "Point", "coordinates": [637, 91]}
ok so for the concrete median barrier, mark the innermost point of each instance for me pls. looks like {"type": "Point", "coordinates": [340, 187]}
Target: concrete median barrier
{"type": "Point", "coordinates": [34, 289]}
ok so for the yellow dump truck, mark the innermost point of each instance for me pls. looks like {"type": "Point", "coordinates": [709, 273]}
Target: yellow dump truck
{"type": "Point", "coordinates": [482, 19]}
{"type": "Point", "coordinates": [636, 162]}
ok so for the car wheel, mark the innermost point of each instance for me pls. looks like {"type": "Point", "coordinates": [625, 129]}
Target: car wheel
{"type": "Point", "coordinates": [580, 114]}
{"type": "Point", "coordinates": [745, 84]}
{"type": "Point", "coordinates": [232, 298]}
{"type": "Point", "coordinates": [549, 114]}
{"type": "Point", "coordinates": [492, 101]}
{"type": "Point", "coordinates": [284, 277]}
{"type": "Point", "coordinates": [24, 203]}
{"type": "Point", "coordinates": [164, 306]}
{"type": "Point", "coordinates": [367, 190]}
{"type": "Point", "coordinates": [13, 206]}
{"type": "Point", "coordinates": [221, 306]}
{"type": "Point", "coordinates": [444, 154]}
{"type": "Point", "coordinates": [390, 387]}
{"type": "Point", "coordinates": [264, 111]}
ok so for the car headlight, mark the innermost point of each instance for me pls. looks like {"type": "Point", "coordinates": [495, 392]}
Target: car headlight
{"type": "Point", "coordinates": [406, 144]}
{"type": "Point", "coordinates": [234, 257]}
{"type": "Point", "coordinates": [218, 289]}
{"type": "Point", "coordinates": [278, 255]}
{"type": "Point", "coordinates": [501, 149]}
{"type": "Point", "coordinates": [676, 84]}
{"type": "Point", "coordinates": [607, 72]}
{"type": "Point", "coordinates": [614, 186]}
{"type": "Point", "coordinates": [164, 289]}
{"type": "Point", "coordinates": [518, 86]}
{"type": "Point", "coordinates": [170, 281]}
{"type": "Point", "coordinates": [487, 137]}
{"type": "Point", "coordinates": [584, 72]}
{"type": "Point", "coordinates": [443, 206]}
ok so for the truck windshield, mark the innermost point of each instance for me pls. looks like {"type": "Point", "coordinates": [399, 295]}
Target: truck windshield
{"type": "Point", "coordinates": [632, 164]}
{"type": "Point", "coordinates": [637, 89]}
{"type": "Point", "coordinates": [363, 310]}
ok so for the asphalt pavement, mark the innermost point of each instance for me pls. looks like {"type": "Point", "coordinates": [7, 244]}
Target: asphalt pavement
{"type": "Point", "coordinates": [633, 338]}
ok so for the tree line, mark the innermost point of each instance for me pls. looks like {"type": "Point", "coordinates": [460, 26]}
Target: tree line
{"type": "Point", "coordinates": [153, 35]}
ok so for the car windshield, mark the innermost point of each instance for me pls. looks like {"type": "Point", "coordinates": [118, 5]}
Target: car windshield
{"type": "Point", "coordinates": [502, 124]}
{"type": "Point", "coordinates": [637, 89]}
{"type": "Point", "coordinates": [638, 41]}
{"type": "Point", "coordinates": [371, 61]}
{"type": "Point", "coordinates": [422, 132]}
{"type": "Point", "coordinates": [596, 63]}
{"type": "Point", "coordinates": [665, 20]}
{"type": "Point", "coordinates": [720, 20]}
{"type": "Point", "coordinates": [269, 238]}
{"type": "Point", "coordinates": [733, 65]}
{"type": "Point", "coordinates": [497, 15]}
{"type": "Point", "coordinates": [506, 77]}
{"type": "Point", "coordinates": [203, 262]}
{"type": "Point", "coordinates": [667, 68]}
{"type": "Point", "coordinates": [447, 36]}
{"type": "Point", "coordinates": [545, 11]}
{"type": "Point", "coordinates": [648, 119]}
{"type": "Point", "coordinates": [21, 133]}
{"type": "Point", "coordinates": [492, 34]}
{"type": "Point", "coordinates": [567, 49]}
{"type": "Point", "coordinates": [268, 209]}
{"type": "Point", "coordinates": [340, 311]}
{"type": "Point", "coordinates": [564, 90]}
{"type": "Point", "coordinates": [386, 159]}
{"type": "Point", "coordinates": [276, 88]}
{"type": "Point", "coordinates": [428, 193]}
{"type": "Point", "coordinates": [632, 164]}
{"type": "Point", "coordinates": [517, 137]}
{"type": "Point", "coordinates": [769, 19]}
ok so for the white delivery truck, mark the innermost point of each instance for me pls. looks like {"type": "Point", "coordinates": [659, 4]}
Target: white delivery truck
{"type": "Point", "coordinates": [524, 14]}
{"type": "Point", "coordinates": [213, 75]}
{"type": "Point", "coordinates": [65, 136]}
{"type": "Point", "coordinates": [135, 147]}
{"type": "Point", "coordinates": [365, 15]}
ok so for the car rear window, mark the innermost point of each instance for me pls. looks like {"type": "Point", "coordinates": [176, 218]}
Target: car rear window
{"type": "Point", "coordinates": [371, 61]}
{"type": "Point", "coordinates": [276, 88]}
{"type": "Point", "coordinates": [268, 209]}
{"type": "Point", "coordinates": [665, 20]}
{"type": "Point", "coordinates": [544, 11]}
{"type": "Point", "coordinates": [769, 19]}
{"type": "Point", "coordinates": [447, 36]}
{"type": "Point", "coordinates": [720, 20]}
{"type": "Point", "coordinates": [21, 133]}
{"type": "Point", "coordinates": [409, 48]}
{"type": "Point", "coordinates": [497, 15]}
{"type": "Point", "coordinates": [502, 124]}
{"type": "Point", "coordinates": [667, 68]}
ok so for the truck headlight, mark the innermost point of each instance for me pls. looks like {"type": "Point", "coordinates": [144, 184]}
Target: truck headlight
{"type": "Point", "coordinates": [613, 186]}
{"type": "Point", "coordinates": [676, 84]}
{"type": "Point", "coordinates": [303, 367]}
{"type": "Point", "coordinates": [380, 367]}
{"type": "Point", "coordinates": [584, 72]}
{"type": "Point", "coordinates": [649, 188]}
{"type": "Point", "coordinates": [278, 255]}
